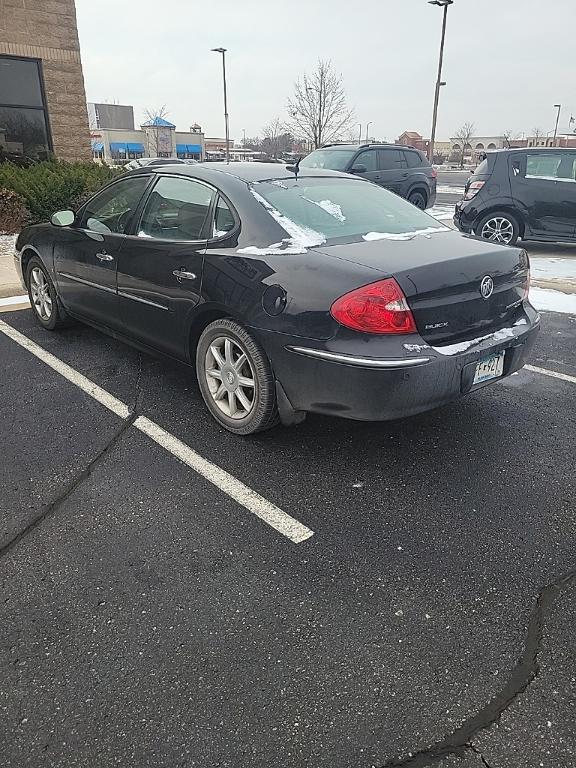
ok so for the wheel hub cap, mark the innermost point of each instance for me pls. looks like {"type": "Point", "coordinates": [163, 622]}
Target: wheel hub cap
{"type": "Point", "coordinates": [498, 229]}
{"type": "Point", "coordinates": [230, 377]}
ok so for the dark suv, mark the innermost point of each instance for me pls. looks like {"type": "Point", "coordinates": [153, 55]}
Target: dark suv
{"type": "Point", "coordinates": [527, 193]}
{"type": "Point", "coordinates": [403, 170]}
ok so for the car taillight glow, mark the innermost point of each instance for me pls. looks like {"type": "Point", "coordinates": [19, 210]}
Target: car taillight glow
{"type": "Point", "coordinates": [375, 308]}
{"type": "Point", "coordinates": [473, 189]}
{"type": "Point", "coordinates": [434, 173]}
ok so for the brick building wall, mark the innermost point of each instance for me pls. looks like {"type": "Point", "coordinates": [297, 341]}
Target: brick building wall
{"type": "Point", "coordinates": [46, 30]}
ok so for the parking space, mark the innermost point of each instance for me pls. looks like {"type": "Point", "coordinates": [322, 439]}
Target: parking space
{"type": "Point", "coordinates": [151, 616]}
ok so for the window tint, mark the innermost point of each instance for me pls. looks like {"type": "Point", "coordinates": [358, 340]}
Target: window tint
{"type": "Point", "coordinates": [223, 220]}
{"type": "Point", "coordinates": [345, 208]}
{"type": "Point", "coordinates": [413, 159]}
{"type": "Point", "coordinates": [392, 159]}
{"type": "Point", "coordinates": [552, 165]}
{"type": "Point", "coordinates": [176, 209]}
{"type": "Point", "coordinates": [110, 211]}
{"type": "Point", "coordinates": [368, 159]}
{"type": "Point", "coordinates": [23, 126]}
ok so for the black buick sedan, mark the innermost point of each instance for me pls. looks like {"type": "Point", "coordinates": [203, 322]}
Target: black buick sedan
{"type": "Point", "coordinates": [289, 292]}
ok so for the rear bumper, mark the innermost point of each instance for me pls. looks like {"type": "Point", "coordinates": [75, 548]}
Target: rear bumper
{"type": "Point", "coordinates": [383, 390]}
{"type": "Point", "coordinates": [464, 217]}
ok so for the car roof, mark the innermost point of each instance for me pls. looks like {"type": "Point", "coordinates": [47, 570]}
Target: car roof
{"type": "Point", "coordinates": [248, 172]}
{"type": "Point", "coordinates": [514, 150]}
{"type": "Point", "coordinates": [376, 144]}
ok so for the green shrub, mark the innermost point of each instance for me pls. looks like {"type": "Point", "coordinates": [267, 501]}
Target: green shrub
{"type": "Point", "coordinates": [14, 215]}
{"type": "Point", "coordinates": [54, 185]}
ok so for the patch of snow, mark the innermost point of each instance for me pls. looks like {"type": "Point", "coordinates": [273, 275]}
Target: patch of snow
{"type": "Point", "coordinates": [331, 208]}
{"type": "Point", "coordinates": [285, 246]}
{"type": "Point", "coordinates": [552, 268]}
{"type": "Point", "coordinates": [278, 183]}
{"type": "Point", "coordinates": [456, 349]}
{"type": "Point", "coordinates": [403, 235]}
{"type": "Point", "coordinates": [547, 300]}
{"type": "Point", "coordinates": [300, 237]}
{"type": "Point", "coordinates": [522, 321]}
{"type": "Point", "coordinates": [444, 189]}
{"type": "Point", "coordinates": [441, 212]}
{"type": "Point", "coordinates": [415, 347]}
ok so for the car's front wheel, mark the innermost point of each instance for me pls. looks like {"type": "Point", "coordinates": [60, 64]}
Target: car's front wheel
{"type": "Point", "coordinates": [43, 298]}
{"type": "Point", "coordinates": [235, 378]}
{"type": "Point", "coordinates": [499, 228]}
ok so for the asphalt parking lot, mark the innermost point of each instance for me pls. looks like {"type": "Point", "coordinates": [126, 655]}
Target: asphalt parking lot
{"type": "Point", "coordinates": [152, 614]}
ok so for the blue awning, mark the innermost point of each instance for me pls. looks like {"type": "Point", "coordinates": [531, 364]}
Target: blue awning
{"type": "Point", "coordinates": [97, 146]}
{"type": "Point", "coordinates": [195, 149]}
{"type": "Point", "coordinates": [126, 146]}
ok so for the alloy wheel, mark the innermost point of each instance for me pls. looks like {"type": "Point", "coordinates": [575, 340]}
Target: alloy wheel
{"type": "Point", "coordinates": [230, 377]}
{"type": "Point", "coordinates": [498, 229]}
{"type": "Point", "coordinates": [40, 290]}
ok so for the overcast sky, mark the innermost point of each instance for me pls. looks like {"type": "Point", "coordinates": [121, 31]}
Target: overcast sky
{"type": "Point", "coordinates": [507, 62]}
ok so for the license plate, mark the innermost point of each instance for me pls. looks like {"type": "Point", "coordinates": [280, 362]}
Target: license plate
{"type": "Point", "coordinates": [489, 368]}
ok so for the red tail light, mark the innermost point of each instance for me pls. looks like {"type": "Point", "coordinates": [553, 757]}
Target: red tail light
{"type": "Point", "coordinates": [473, 189]}
{"type": "Point", "coordinates": [434, 173]}
{"type": "Point", "coordinates": [376, 308]}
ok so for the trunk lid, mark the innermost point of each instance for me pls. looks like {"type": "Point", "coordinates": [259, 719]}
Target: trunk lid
{"type": "Point", "coordinates": [441, 276]}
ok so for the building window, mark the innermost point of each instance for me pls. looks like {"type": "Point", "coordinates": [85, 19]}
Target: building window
{"type": "Point", "coordinates": [24, 134]}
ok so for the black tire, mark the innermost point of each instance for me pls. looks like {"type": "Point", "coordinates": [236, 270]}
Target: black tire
{"type": "Point", "coordinates": [56, 317]}
{"type": "Point", "coordinates": [418, 198]}
{"type": "Point", "coordinates": [221, 390]}
{"type": "Point", "coordinates": [503, 223]}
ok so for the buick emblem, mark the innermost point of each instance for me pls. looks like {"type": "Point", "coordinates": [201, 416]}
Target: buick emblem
{"type": "Point", "coordinates": [487, 287]}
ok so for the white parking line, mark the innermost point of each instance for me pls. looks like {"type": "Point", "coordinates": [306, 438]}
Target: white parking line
{"type": "Point", "coordinates": [12, 300]}
{"type": "Point", "coordinates": [275, 517]}
{"type": "Point", "coordinates": [554, 374]}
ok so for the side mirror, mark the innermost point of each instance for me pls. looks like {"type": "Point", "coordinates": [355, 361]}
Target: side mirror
{"type": "Point", "coordinates": [359, 169]}
{"type": "Point", "coordinates": [63, 218]}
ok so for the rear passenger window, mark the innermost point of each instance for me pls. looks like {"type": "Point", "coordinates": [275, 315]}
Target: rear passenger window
{"type": "Point", "coordinates": [392, 159]}
{"type": "Point", "coordinates": [223, 219]}
{"type": "Point", "coordinates": [413, 159]}
{"type": "Point", "coordinates": [551, 165]}
{"type": "Point", "coordinates": [176, 210]}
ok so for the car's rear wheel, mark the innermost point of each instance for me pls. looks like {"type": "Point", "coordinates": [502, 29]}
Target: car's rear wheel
{"type": "Point", "coordinates": [43, 299]}
{"type": "Point", "coordinates": [235, 378]}
{"type": "Point", "coordinates": [499, 228]}
{"type": "Point", "coordinates": [418, 199]}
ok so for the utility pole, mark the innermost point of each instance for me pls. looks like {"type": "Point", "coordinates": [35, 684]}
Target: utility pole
{"type": "Point", "coordinates": [223, 52]}
{"type": "Point", "coordinates": [439, 83]}
{"type": "Point", "coordinates": [559, 108]}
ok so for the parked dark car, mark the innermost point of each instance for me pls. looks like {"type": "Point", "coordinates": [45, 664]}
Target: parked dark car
{"type": "Point", "coordinates": [403, 170]}
{"type": "Point", "coordinates": [521, 193]}
{"type": "Point", "coordinates": [318, 293]}
{"type": "Point", "coordinates": [141, 162]}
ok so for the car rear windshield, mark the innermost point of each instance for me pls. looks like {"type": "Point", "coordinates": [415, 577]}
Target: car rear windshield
{"type": "Point", "coordinates": [482, 168]}
{"type": "Point", "coordinates": [333, 159]}
{"type": "Point", "coordinates": [338, 208]}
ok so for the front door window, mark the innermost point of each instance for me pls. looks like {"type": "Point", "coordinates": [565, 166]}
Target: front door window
{"type": "Point", "coordinates": [111, 210]}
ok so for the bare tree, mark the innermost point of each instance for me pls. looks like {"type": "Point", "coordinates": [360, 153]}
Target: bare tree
{"type": "Point", "coordinates": [508, 137]}
{"type": "Point", "coordinates": [272, 136]}
{"type": "Point", "coordinates": [154, 141]}
{"type": "Point", "coordinates": [318, 110]}
{"type": "Point", "coordinates": [464, 135]}
{"type": "Point", "coordinates": [537, 134]}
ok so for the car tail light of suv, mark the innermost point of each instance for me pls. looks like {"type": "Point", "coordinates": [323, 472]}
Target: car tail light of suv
{"type": "Point", "coordinates": [473, 189]}
{"type": "Point", "coordinates": [375, 308]}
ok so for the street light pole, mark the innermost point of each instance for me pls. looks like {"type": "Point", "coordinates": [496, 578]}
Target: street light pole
{"type": "Point", "coordinates": [367, 126]}
{"type": "Point", "coordinates": [359, 134]}
{"type": "Point", "coordinates": [223, 52]}
{"type": "Point", "coordinates": [443, 4]}
{"type": "Point", "coordinates": [559, 108]}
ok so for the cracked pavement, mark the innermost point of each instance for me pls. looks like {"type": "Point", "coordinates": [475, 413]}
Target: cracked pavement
{"type": "Point", "coordinates": [147, 620]}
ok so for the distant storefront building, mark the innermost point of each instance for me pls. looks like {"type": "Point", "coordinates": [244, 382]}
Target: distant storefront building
{"type": "Point", "coordinates": [118, 145]}
{"type": "Point", "coordinates": [42, 98]}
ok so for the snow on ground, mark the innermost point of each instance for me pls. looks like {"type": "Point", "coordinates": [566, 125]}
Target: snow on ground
{"type": "Point", "coordinates": [441, 212]}
{"type": "Point", "coordinates": [444, 189]}
{"type": "Point", "coordinates": [547, 300]}
{"type": "Point", "coordinates": [7, 244]}
{"type": "Point", "coordinates": [552, 268]}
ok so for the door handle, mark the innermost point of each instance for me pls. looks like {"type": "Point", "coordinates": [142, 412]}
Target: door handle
{"type": "Point", "coordinates": [104, 257]}
{"type": "Point", "coordinates": [183, 274]}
